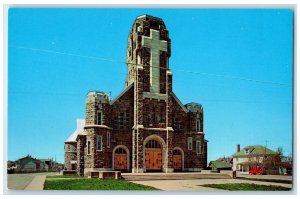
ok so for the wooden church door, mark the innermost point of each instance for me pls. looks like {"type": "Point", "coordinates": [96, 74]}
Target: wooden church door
{"type": "Point", "coordinates": [153, 156]}
{"type": "Point", "coordinates": [177, 160]}
{"type": "Point", "coordinates": [120, 160]}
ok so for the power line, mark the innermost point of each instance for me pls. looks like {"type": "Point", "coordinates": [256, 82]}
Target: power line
{"type": "Point", "coordinates": [64, 53]}
{"type": "Point", "coordinates": [179, 70]}
{"type": "Point", "coordinates": [185, 99]}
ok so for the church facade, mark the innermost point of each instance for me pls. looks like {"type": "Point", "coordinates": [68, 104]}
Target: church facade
{"type": "Point", "coordinates": [146, 128]}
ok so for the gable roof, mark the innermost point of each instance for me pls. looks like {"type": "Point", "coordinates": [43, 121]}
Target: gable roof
{"type": "Point", "coordinates": [225, 159]}
{"type": "Point", "coordinates": [255, 150]}
{"type": "Point", "coordinates": [79, 129]}
{"type": "Point", "coordinates": [179, 102]}
{"type": "Point", "coordinates": [219, 164]}
{"type": "Point", "coordinates": [25, 157]}
{"type": "Point", "coordinates": [121, 94]}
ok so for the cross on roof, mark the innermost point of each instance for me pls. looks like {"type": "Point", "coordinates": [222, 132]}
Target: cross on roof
{"type": "Point", "coordinates": [156, 45]}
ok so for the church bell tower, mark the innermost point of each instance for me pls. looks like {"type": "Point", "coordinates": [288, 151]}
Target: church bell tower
{"type": "Point", "coordinates": [148, 53]}
{"type": "Point", "coordinates": [149, 48]}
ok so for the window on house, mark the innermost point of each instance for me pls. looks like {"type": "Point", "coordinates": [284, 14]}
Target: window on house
{"type": "Point", "coordinates": [190, 143]}
{"type": "Point", "coordinates": [108, 139]}
{"type": "Point", "coordinates": [198, 147]}
{"type": "Point", "coordinates": [99, 117]}
{"type": "Point", "coordinates": [88, 147]}
{"type": "Point", "coordinates": [198, 123]}
{"type": "Point", "coordinates": [247, 151]}
{"type": "Point", "coordinates": [99, 143]}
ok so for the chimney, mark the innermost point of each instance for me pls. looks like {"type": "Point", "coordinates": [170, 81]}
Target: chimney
{"type": "Point", "coordinates": [238, 148]}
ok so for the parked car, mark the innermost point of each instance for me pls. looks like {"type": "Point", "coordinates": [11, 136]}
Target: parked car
{"type": "Point", "coordinates": [257, 171]}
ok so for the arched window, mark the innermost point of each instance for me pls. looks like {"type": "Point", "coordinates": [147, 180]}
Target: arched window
{"type": "Point", "coordinates": [198, 122]}
{"type": "Point", "coordinates": [153, 144]}
{"type": "Point", "coordinates": [99, 117]}
{"type": "Point", "coordinates": [198, 147]}
{"type": "Point", "coordinates": [176, 152]}
{"type": "Point", "coordinates": [88, 147]}
{"type": "Point", "coordinates": [99, 143]}
{"type": "Point", "coordinates": [120, 151]}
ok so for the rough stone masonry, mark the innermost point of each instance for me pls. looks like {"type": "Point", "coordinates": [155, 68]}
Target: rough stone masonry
{"type": "Point", "coordinates": [146, 128]}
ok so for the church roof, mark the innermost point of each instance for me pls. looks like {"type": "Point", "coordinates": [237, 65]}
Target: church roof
{"type": "Point", "coordinates": [79, 129]}
{"type": "Point", "coordinates": [122, 93]}
{"type": "Point", "coordinates": [179, 102]}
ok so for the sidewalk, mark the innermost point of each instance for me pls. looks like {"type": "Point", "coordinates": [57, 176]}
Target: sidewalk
{"type": "Point", "coordinates": [37, 183]}
{"type": "Point", "coordinates": [195, 185]}
{"type": "Point", "coordinates": [172, 176]}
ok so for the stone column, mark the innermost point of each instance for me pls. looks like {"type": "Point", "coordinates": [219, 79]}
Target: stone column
{"type": "Point", "coordinates": [169, 132]}
{"type": "Point", "coordinates": [137, 139]}
{"type": "Point", "coordinates": [80, 155]}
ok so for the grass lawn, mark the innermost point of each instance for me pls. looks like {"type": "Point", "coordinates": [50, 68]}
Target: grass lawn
{"type": "Point", "coordinates": [92, 184]}
{"type": "Point", "coordinates": [247, 187]}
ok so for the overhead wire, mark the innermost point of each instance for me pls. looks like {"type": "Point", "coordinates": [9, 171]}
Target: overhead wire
{"type": "Point", "coordinates": [174, 68]}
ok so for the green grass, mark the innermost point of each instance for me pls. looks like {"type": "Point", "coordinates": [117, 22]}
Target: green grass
{"type": "Point", "coordinates": [61, 176]}
{"type": "Point", "coordinates": [93, 184]}
{"type": "Point", "coordinates": [268, 180]}
{"type": "Point", "coordinates": [247, 187]}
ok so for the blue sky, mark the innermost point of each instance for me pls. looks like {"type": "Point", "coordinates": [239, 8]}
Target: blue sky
{"type": "Point", "coordinates": [237, 63]}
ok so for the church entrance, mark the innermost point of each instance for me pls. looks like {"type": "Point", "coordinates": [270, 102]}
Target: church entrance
{"type": "Point", "coordinates": [73, 166]}
{"type": "Point", "coordinates": [153, 156]}
{"type": "Point", "coordinates": [177, 160]}
{"type": "Point", "coordinates": [120, 160]}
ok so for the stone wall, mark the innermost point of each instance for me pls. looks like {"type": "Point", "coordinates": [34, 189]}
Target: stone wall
{"type": "Point", "coordinates": [70, 149]}
{"type": "Point", "coordinates": [139, 112]}
{"type": "Point", "coordinates": [81, 146]}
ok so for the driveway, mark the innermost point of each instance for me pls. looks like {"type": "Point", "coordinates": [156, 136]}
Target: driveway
{"type": "Point", "coordinates": [21, 181]}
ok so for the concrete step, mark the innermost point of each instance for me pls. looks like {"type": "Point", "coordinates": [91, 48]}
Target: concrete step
{"type": "Point", "coordinates": [140, 177]}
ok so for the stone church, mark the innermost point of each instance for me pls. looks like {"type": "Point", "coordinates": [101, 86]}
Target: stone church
{"type": "Point", "coordinates": [146, 128]}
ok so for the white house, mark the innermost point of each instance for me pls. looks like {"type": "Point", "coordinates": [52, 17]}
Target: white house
{"type": "Point", "coordinates": [256, 156]}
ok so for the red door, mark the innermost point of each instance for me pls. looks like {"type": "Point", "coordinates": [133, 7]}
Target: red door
{"type": "Point", "coordinates": [153, 159]}
{"type": "Point", "coordinates": [120, 160]}
{"type": "Point", "coordinates": [153, 156]}
{"type": "Point", "coordinates": [177, 160]}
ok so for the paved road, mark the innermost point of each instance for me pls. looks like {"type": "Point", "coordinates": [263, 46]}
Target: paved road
{"type": "Point", "coordinates": [195, 185]}
{"type": "Point", "coordinates": [21, 181]}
